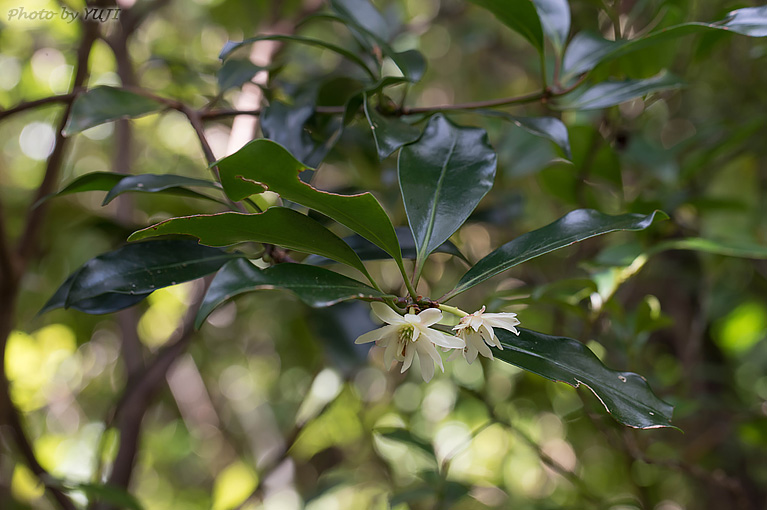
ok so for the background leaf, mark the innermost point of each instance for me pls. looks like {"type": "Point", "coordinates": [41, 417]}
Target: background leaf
{"type": "Point", "coordinates": [103, 104]}
{"type": "Point", "coordinates": [315, 286]}
{"type": "Point", "coordinates": [571, 228]}
{"type": "Point", "coordinates": [611, 93]}
{"type": "Point", "coordinates": [443, 177]}
{"type": "Point", "coordinates": [555, 20]}
{"type": "Point", "coordinates": [550, 128]}
{"type": "Point", "coordinates": [625, 395]}
{"type": "Point", "coordinates": [519, 15]}
{"type": "Point", "coordinates": [277, 225]}
{"type": "Point", "coordinates": [234, 73]}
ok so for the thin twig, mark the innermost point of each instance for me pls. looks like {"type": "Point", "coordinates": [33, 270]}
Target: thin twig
{"type": "Point", "coordinates": [27, 105]}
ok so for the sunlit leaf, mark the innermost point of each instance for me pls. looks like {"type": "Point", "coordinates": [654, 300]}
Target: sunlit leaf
{"type": "Point", "coordinates": [625, 395]}
{"type": "Point", "coordinates": [369, 251]}
{"type": "Point", "coordinates": [389, 133]}
{"type": "Point", "coordinates": [572, 228]}
{"type": "Point", "coordinates": [443, 177]}
{"type": "Point", "coordinates": [103, 104]}
{"type": "Point", "coordinates": [277, 225]}
{"type": "Point", "coordinates": [263, 164]}
{"type": "Point", "coordinates": [315, 286]}
{"type": "Point", "coordinates": [611, 93]}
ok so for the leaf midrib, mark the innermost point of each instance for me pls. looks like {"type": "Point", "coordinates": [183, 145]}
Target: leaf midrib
{"type": "Point", "coordinates": [423, 249]}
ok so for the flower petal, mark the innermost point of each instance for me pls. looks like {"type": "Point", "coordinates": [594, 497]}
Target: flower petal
{"type": "Point", "coordinates": [376, 334]}
{"type": "Point", "coordinates": [442, 339]}
{"type": "Point", "coordinates": [409, 352]}
{"type": "Point", "coordinates": [389, 353]}
{"type": "Point", "coordinates": [386, 314]}
{"type": "Point", "coordinates": [430, 316]}
{"type": "Point", "coordinates": [427, 349]}
{"type": "Point", "coordinates": [427, 366]}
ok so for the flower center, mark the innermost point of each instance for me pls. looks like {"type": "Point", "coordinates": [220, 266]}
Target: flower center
{"type": "Point", "coordinates": [406, 333]}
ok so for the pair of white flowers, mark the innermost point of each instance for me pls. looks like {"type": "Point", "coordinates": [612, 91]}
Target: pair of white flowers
{"type": "Point", "coordinates": [408, 336]}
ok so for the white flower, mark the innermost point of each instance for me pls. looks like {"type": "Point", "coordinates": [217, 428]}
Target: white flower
{"type": "Point", "coordinates": [406, 336]}
{"type": "Point", "coordinates": [476, 330]}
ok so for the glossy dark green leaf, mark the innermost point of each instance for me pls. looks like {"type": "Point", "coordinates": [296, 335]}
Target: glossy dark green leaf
{"type": "Point", "coordinates": [234, 73]}
{"type": "Point", "coordinates": [153, 183]}
{"type": "Point", "coordinates": [550, 128]}
{"type": "Point", "coordinates": [105, 303]}
{"type": "Point", "coordinates": [315, 286]}
{"type": "Point", "coordinates": [135, 269]}
{"type": "Point", "coordinates": [277, 225]}
{"type": "Point", "coordinates": [411, 62]}
{"type": "Point", "coordinates": [571, 228]}
{"type": "Point", "coordinates": [519, 15]}
{"type": "Point", "coordinates": [369, 251]}
{"type": "Point", "coordinates": [587, 50]}
{"type": "Point", "coordinates": [625, 395]}
{"type": "Point", "coordinates": [389, 133]}
{"type": "Point", "coordinates": [103, 104]}
{"type": "Point", "coordinates": [555, 20]}
{"type": "Point", "coordinates": [232, 46]}
{"type": "Point", "coordinates": [263, 164]}
{"type": "Point", "coordinates": [94, 181]}
{"type": "Point", "coordinates": [443, 177]}
{"type": "Point", "coordinates": [611, 93]}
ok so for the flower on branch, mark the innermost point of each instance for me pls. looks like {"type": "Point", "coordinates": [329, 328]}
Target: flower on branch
{"type": "Point", "coordinates": [476, 330]}
{"type": "Point", "coordinates": [407, 336]}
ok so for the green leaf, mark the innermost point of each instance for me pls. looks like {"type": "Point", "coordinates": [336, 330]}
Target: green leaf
{"type": "Point", "coordinates": [404, 436]}
{"type": "Point", "coordinates": [611, 93]}
{"type": "Point", "coordinates": [277, 225]}
{"type": "Point", "coordinates": [411, 62]}
{"type": "Point", "coordinates": [135, 269]}
{"type": "Point", "coordinates": [94, 181]}
{"type": "Point", "coordinates": [718, 247]}
{"type": "Point", "coordinates": [519, 15]}
{"type": "Point", "coordinates": [263, 164]}
{"type": "Point", "coordinates": [105, 303]}
{"type": "Point", "coordinates": [364, 15]}
{"type": "Point", "coordinates": [443, 177]}
{"type": "Point", "coordinates": [116, 496]}
{"type": "Point", "coordinates": [234, 73]}
{"type": "Point", "coordinates": [555, 19]}
{"type": "Point", "coordinates": [231, 46]}
{"type": "Point", "coordinates": [369, 251]}
{"type": "Point", "coordinates": [625, 395]}
{"type": "Point", "coordinates": [315, 286]}
{"type": "Point", "coordinates": [103, 104]}
{"type": "Point", "coordinates": [550, 128]}
{"type": "Point", "coordinates": [587, 50]}
{"type": "Point", "coordinates": [573, 227]}
{"type": "Point", "coordinates": [389, 133]}
{"type": "Point", "coordinates": [154, 183]}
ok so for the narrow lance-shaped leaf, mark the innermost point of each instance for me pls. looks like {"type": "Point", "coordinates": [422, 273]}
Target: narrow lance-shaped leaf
{"type": "Point", "coordinates": [555, 20]}
{"type": "Point", "coordinates": [277, 225]}
{"type": "Point", "coordinates": [443, 177]}
{"type": "Point", "coordinates": [263, 164]}
{"type": "Point", "coordinates": [519, 15]}
{"type": "Point", "coordinates": [154, 183]}
{"type": "Point", "coordinates": [234, 73]}
{"type": "Point", "coordinates": [587, 50]}
{"type": "Point", "coordinates": [365, 15]}
{"type": "Point", "coordinates": [611, 93]}
{"type": "Point", "coordinates": [315, 286]}
{"type": "Point", "coordinates": [136, 269]}
{"type": "Point", "coordinates": [389, 133]}
{"type": "Point", "coordinates": [103, 104]}
{"type": "Point", "coordinates": [550, 128]}
{"type": "Point", "coordinates": [572, 228]}
{"type": "Point", "coordinates": [625, 395]}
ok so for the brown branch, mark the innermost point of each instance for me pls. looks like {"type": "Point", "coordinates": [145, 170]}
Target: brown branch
{"type": "Point", "coordinates": [27, 105]}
